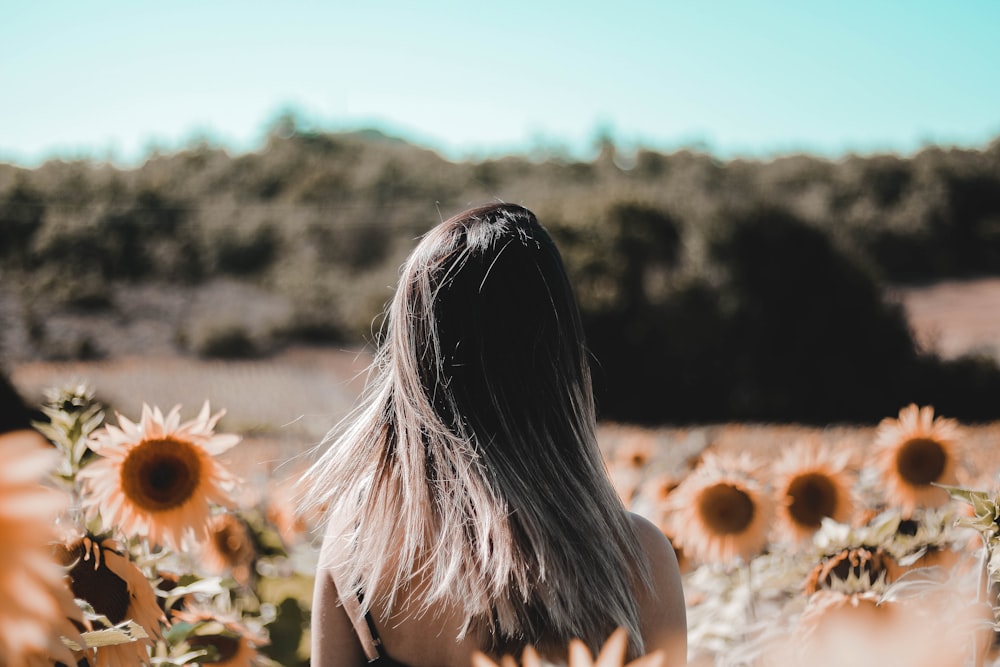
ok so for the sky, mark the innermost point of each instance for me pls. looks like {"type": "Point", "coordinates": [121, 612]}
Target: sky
{"type": "Point", "coordinates": [114, 80]}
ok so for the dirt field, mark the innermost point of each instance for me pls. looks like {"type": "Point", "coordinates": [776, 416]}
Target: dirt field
{"type": "Point", "coordinates": [955, 317]}
{"type": "Point", "coordinates": [285, 404]}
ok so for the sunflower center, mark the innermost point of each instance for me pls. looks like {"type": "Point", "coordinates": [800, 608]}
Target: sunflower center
{"type": "Point", "coordinates": [231, 540]}
{"type": "Point", "coordinates": [160, 475]}
{"type": "Point", "coordinates": [813, 497]}
{"type": "Point", "coordinates": [726, 509]}
{"type": "Point", "coordinates": [860, 562]}
{"type": "Point", "coordinates": [921, 461]}
{"type": "Point", "coordinates": [225, 647]}
{"type": "Point", "coordinates": [106, 592]}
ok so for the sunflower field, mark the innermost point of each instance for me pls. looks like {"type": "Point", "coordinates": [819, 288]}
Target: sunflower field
{"type": "Point", "coordinates": [128, 541]}
{"type": "Point", "coordinates": [161, 555]}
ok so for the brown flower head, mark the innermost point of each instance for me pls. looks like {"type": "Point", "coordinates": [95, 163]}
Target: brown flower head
{"type": "Point", "coordinates": [159, 477]}
{"type": "Point", "coordinates": [101, 574]}
{"type": "Point", "coordinates": [812, 484]}
{"type": "Point", "coordinates": [858, 569]}
{"type": "Point", "coordinates": [915, 452]}
{"type": "Point", "coordinates": [229, 547]}
{"type": "Point", "coordinates": [721, 511]}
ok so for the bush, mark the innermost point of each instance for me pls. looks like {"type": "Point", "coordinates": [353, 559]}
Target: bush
{"type": "Point", "coordinates": [226, 341]}
{"type": "Point", "coordinates": [810, 333]}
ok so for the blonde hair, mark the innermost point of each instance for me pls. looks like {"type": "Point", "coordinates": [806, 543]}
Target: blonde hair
{"type": "Point", "coordinates": [471, 465]}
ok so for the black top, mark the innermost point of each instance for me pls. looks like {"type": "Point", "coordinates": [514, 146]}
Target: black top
{"type": "Point", "coordinates": [382, 660]}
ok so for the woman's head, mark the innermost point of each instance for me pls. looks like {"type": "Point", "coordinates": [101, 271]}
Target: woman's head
{"type": "Point", "coordinates": [486, 320]}
{"type": "Point", "coordinates": [471, 466]}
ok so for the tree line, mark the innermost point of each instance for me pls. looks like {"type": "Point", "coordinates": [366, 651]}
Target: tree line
{"type": "Point", "coordinates": [711, 290]}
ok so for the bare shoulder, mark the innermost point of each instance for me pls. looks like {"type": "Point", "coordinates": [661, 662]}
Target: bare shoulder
{"type": "Point", "coordinates": [333, 640]}
{"type": "Point", "coordinates": [662, 610]}
{"type": "Point", "coordinates": [653, 541]}
{"type": "Point", "coordinates": [666, 575]}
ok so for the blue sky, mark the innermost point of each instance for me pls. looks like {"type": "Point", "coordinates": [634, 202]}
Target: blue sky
{"type": "Point", "coordinates": [113, 79]}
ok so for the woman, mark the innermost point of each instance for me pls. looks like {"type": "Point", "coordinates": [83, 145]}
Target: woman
{"type": "Point", "coordinates": [468, 507]}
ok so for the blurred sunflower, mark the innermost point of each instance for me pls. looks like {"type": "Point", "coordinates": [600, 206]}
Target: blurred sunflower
{"type": "Point", "coordinates": [832, 616]}
{"type": "Point", "coordinates": [915, 452]}
{"type": "Point", "coordinates": [651, 495]}
{"type": "Point", "coordinates": [230, 642]}
{"type": "Point", "coordinates": [721, 511]}
{"type": "Point", "coordinates": [229, 547]}
{"type": "Point", "coordinates": [280, 511]}
{"type": "Point", "coordinates": [637, 450]}
{"type": "Point", "coordinates": [37, 606]}
{"type": "Point", "coordinates": [931, 537]}
{"type": "Point", "coordinates": [838, 628]}
{"type": "Point", "coordinates": [101, 574]}
{"type": "Point", "coordinates": [158, 477]}
{"type": "Point", "coordinates": [656, 489]}
{"type": "Point", "coordinates": [612, 654]}
{"type": "Point", "coordinates": [855, 570]}
{"type": "Point", "coordinates": [812, 483]}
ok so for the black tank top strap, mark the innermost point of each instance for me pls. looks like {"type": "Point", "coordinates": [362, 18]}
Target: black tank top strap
{"type": "Point", "coordinates": [372, 640]}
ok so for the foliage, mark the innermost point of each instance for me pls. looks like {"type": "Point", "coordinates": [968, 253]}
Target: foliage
{"type": "Point", "coordinates": [710, 290]}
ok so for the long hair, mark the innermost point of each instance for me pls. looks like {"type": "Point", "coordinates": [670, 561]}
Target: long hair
{"type": "Point", "coordinates": [471, 468]}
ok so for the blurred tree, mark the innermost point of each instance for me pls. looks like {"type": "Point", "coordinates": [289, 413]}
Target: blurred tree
{"type": "Point", "coordinates": [809, 331]}
{"type": "Point", "coordinates": [21, 212]}
{"type": "Point", "coordinates": [710, 290]}
{"type": "Point", "coordinates": [628, 303]}
{"type": "Point", "coordinates": [245, 249]}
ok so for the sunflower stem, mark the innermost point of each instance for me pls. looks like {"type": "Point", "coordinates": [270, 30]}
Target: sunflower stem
{"type": "Point", "coordinates": [982, 582]}
{"type": "Point", "coordinates": [751, 600]}
{"type": "Point", "coordinates": [983, 566]}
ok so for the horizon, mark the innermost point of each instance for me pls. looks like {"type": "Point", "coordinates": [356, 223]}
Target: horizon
{"type": "Point", "coordinates": [110, 82]}
{"type": "Point", "coordinates": [539, 152]}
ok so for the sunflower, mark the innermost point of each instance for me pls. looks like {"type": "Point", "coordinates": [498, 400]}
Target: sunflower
{"type": "Point", "coordinates": [655, 490]}
{"type": "Point", "coordinates": [158, 477]}
{"type": "Point", "coordinates": [229, 547]}
{"type": "Point", "coordinates": [838, 628]}
{"type": "Point", "coordinates": [853, 570]}
{"type": "Point", "coordinates": [831, 617]}
{"type": "Point", "coordinates": [229, 642]}
{"type": "Point", "coordinates": [37, 606]}
{"type": "Point", "coordinates": [650, 498]}
{"type": "Point", "coordinates": [721, 511]}
{"type": "Point", "coordinates": [280, 511]}
{"type": "Point", "coordinates": [915, 452]}
{"type": "Point", "coordinates": [612, 654]}
{"type": "Point", "coordinates": [811, 484]}
{"type": "Point", "coordinates": [930, 537]}
{"type": "Point", "coordinates": [101, 574]}
{"type": "Point", "coordinates": [637, 450]}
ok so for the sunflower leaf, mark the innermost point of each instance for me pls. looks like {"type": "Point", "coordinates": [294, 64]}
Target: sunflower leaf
{"type": "Point", "coordinates": [209, 586]}
{"type": "Point", "coordinates": [179, 660]}
{"type": "Point", "coordinates": [125, 632]}
{"type": "Point", "coordinates": [968, 495]}
{"type": "Point", "coordinates": [178, 632]}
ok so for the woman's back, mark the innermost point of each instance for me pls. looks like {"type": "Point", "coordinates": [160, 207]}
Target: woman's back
{"type": "Point", "coordinates": [411, 637]}
{"type": "Point", "coordinates": [468, 501]}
